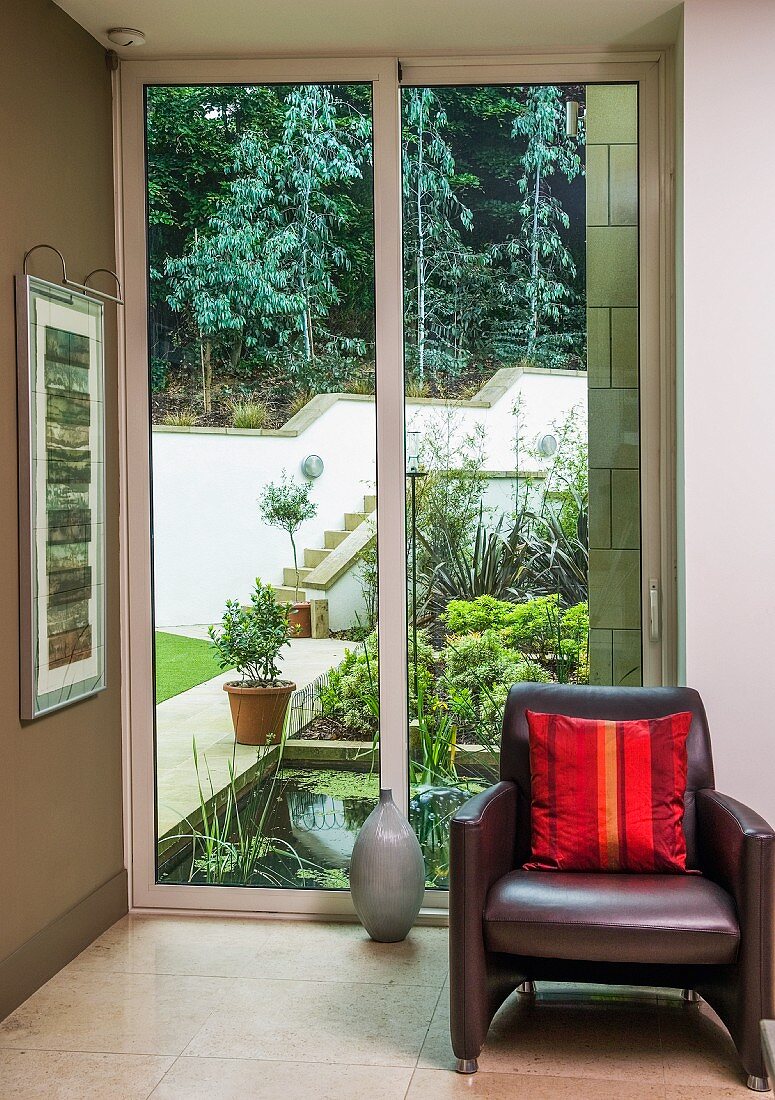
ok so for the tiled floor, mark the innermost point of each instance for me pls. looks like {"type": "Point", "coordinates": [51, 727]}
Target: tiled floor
{"type": "Point", "coordinates": [190, 1008]}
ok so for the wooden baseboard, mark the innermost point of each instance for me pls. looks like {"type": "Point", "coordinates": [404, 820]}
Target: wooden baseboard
{"type": "Point", "coordinates": [37, 960]}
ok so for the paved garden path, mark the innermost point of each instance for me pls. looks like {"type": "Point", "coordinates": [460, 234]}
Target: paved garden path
{"type": "Point", "coordinates": [203, 713]}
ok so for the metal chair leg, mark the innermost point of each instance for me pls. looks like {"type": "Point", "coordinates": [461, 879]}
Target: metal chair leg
{"type": "Point", "coordinates": [466, 1065]}
{"type": "Point", "coordinates": [690, 996]}
{"type": "Point", "coordinates": [758, 1084]}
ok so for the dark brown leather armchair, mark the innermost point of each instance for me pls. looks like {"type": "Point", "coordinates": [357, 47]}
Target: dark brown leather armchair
{"type": "Point", "coordinates": [713, 934]}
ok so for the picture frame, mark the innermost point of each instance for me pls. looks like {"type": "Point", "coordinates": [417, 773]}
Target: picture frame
{"type": "Point", "coordinates": [61, 433]}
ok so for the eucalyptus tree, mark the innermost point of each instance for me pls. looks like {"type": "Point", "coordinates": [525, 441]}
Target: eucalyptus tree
{"type": "Point", "coordinates": [433, 247]}
{"type": "Point", "coordinates": [262, 271]}
{"type": "Point", "coordinates": [549, 267]}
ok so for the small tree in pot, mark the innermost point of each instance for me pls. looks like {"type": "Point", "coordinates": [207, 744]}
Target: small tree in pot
{"type": "Point", "coordinates": [286, 504]}
{"type": "Point", "coordinates": [249, 640]}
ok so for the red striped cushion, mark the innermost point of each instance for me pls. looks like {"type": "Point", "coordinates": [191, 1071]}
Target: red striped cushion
{"type": "Point", "coordinates": [608, 796]}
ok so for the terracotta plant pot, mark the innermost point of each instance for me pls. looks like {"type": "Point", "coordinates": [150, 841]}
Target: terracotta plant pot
{"type": "Point", "coordinates": [300, 620]}
{"type": "Point", "coordinates": [258, 713]}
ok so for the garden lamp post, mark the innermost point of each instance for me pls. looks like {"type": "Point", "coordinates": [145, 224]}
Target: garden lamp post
{"type": "Point", "coordinates": [413, 472]}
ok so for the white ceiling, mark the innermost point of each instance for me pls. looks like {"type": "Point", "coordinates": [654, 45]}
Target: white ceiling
{"type": "Point", "coordinates": [250, 28]}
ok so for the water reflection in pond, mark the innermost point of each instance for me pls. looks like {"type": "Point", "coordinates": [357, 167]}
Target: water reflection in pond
{"type": "Point", "coordinates": [308, 831]}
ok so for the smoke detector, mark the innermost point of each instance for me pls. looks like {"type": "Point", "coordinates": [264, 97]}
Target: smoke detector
{"type": "Point", "coordinates": [125, 36]}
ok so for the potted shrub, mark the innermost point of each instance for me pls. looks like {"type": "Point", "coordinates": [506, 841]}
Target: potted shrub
{"type": "Point", "coordinates": [286, 504]}
{"type": "Point", "coordinates": [249, 640]}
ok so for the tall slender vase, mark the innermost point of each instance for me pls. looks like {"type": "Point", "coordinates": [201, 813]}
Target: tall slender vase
{"type": "Point", "coordinates": [387, 873]}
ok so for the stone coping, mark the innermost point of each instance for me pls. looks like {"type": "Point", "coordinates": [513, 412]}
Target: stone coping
{"type": "Point", "coordinates": [490, 393]}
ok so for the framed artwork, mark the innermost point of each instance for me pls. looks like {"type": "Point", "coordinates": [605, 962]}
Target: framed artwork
{"type": "Point", "coordinates": [61, 495]}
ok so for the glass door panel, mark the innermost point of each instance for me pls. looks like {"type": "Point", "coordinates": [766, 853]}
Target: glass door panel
{"type": "Point", "coordinates": [261, 303]}
{"type": "Point", "coordinates": [522, 415]}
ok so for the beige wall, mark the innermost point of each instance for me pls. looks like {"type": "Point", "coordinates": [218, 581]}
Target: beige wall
{"type": "Point", "coordinates": [728, 393]}
{"type": "Point", "coordinates": [60, 777]}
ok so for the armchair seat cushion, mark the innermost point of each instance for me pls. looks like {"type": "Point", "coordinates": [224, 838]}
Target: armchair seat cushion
{"type": "Point", "coordinates": [685, 920]}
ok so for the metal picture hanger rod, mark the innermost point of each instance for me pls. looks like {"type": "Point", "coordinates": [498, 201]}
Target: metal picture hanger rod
{"type": "Point", "coordinates": [83, 287]}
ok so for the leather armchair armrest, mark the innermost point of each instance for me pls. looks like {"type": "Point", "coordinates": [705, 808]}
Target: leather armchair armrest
{"type": "Point", "coordinates": [483, 837]}
{"type": "Point", "coordinates": [482, 850]}
{"type": "Point", "coordinates": [736, 848]}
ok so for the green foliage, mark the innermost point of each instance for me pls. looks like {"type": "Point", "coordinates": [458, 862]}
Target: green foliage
{"type": "Point", "coordinates": [184, 418]}
{"type": "Point", "coordinates": [233, 843]}
{"type": "Point", "coordinates": [477, 615]}
{"type": "Point", "coordinates": [432, 743]}
{"type": "Point", "coordinates": [159, 373]}
{"type": "Point", "coordinates": [250, 639]}
{"type": "Point", "coordinates": [495, 565]}
{"type": "Point", "coordinates": [249, 414]}
{"type": "Point", "coordinates": [449, 494]}
{"type": "Point", "coordinates": [352, 693]}
{"type": "Point", "coordinates": [286, 504]}
{"type": "Point", "coordinates": [481, 669]}
{"type": "Point", "coordinates": [435, 256]}
{"type": "Point", "coordinates": [261, 232]}
{"type": "Point", "coordinates": [263, 270]}
{"type": "Point", "coordinates": [538, 629]}
{"type": "Point", "coordinates": [548, 261]}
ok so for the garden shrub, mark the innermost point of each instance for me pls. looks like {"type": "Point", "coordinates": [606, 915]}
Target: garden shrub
{"type": "Point", "coordinates": [474, 616]}
{"type": "Point", "coordinates": [352, 693]}
{"type": "Point", "coordinates": [538, 629]}
{"type": "Point", "coordinates": [481, 667]}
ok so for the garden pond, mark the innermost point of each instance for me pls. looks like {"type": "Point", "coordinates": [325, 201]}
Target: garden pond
{"type": "Point", "coordinates": [304, 835]}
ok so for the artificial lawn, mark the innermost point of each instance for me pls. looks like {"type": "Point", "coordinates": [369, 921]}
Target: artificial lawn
{"type": "Point", "coordinates": [182, 663]}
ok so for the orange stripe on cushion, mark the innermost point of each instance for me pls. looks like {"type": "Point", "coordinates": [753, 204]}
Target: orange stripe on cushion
{"type": "Point", "coordinates": [611, 798]}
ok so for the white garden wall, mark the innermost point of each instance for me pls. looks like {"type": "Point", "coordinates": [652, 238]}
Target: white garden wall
{"type": "Point", "coordinates": [209, 540]}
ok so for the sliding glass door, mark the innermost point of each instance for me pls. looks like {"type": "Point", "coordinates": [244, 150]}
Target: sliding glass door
{"type": "Point", "coordinates": [520, 214]}
{"type": "Point", "coordinates": [418, 300]}
{"type": "Point", "coordinates": [263, 429]}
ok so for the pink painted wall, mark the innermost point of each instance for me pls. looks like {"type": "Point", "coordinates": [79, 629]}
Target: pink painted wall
{"type": "Point", "coordinates": [728, 285]}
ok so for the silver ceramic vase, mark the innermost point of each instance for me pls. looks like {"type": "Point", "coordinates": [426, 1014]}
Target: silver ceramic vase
{"type": "Point", "coordinates": [387, 873]}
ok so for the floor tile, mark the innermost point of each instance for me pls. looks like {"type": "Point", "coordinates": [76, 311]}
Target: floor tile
{"type": "Point", "coordinates": [434, 1084]}
{"type": "Point", "coordinates": [344, 952]}
{"type": "Point", "coordinates": [56, 1075]}
{"type": "Point", "coordinates": [548, 1036]}
{"type": "Point", "coordinates": [319, 1022]}
{"type": "Point", "coordinates": [237, 1079]}
{"type": "Point", "coordinates": [208, 946]}
{"type": "Point", "coordinates": [113, 1013]}
{"type": "Point", "coordinates": [697, 1049]}
{"type": "Point", "coordinates": [718, 1092]}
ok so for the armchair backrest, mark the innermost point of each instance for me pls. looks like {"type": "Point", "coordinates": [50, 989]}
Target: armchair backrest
{"type": "Point", "coordinates": [615, 704]}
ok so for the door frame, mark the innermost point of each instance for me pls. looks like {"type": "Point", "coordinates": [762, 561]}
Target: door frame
{"type": "Point", "coordinates": [651, 72]}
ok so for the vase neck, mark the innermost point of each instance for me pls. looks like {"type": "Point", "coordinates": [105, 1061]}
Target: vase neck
{"type": "Point", "coordinates": [385, 795]}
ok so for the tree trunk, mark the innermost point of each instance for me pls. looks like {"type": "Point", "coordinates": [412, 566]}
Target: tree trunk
{"type": "Point", "coordinates": [206, 358]}
{"type": "Point", "coordinates": [235, 352]}
{"type": "Point", "coordinates": [534, 265]}
{"type": "Point", "coordinates": [295, 567]}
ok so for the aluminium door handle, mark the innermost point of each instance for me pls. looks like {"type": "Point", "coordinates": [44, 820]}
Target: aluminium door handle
{"type": "Point", "coordinates": [654, 611]}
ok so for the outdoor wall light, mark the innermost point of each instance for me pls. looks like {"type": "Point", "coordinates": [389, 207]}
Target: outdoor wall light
{"type": "Point", "coordinates": [125, 36]}
{"type": "Point", "coordinates": [547, 445]}
{"type": "Point", "coordinates": [412, 452]}
{"type": "Point", "coordinates": [312, 466]}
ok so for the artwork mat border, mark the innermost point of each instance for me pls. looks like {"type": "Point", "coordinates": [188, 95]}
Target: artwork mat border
{"type": "Point", "coordinates": [31, 704]}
